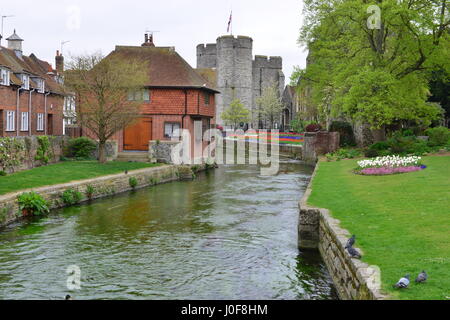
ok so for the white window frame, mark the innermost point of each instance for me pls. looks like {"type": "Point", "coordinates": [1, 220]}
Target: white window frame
{"type": "Point", "coordinates": [172, 126]}
{"type": "Point", "coordinates": [4, 77]}
{"type": "Point", "coordinates": [40, 122]}
{"type": "Point", "coordinates": [26, 82]}
{"type": "Point", "coordinates": [41, 85]}
{"type": "Point", "coordinates": [10, 121]}
{"type": "Point", "coordinates": [24, 123]}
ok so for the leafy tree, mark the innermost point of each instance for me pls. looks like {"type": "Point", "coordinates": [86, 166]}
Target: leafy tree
{"type": "Point", "coordinates": [102, 87]}
{"type": "Point", "coordinates": [270, 104]}
{"type": "Point", "coordinates": [236, 114]}
{"type": "Point", "coordinates": [296, 76]}
{"type": "Point", "coordinates": [373, 73]}
{"type": "Point", "coordinates": [440, 90]}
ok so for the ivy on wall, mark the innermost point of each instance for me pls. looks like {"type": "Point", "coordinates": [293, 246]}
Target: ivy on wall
{"type": "Point", "coordinates": [11, 153]}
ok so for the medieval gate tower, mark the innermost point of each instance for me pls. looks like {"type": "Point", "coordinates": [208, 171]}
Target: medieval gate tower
{"type": "Point", "coordinates": [238, 75]}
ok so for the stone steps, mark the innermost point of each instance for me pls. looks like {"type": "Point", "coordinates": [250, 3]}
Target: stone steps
{"type": "Point", "coordinates": [133, 157]}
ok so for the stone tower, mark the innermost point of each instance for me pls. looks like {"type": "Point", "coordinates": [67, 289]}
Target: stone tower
{"type": "Point", "coordinates": [238, 75]}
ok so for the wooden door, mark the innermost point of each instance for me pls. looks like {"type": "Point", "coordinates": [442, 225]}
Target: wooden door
{"type": "Point", "coordinates": [50, 125]}
{"type": "Point", "coordinates": [138, 135]}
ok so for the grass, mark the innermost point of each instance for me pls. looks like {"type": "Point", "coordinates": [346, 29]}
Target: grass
{"type": "Point", "coordinates": [402, 222]}
{"type": "Point", "coordinates": [64, 172]}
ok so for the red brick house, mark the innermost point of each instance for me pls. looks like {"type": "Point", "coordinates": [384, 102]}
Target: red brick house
{"type": "Point", "coordinates": [31, 97]}
{"type": "Point", "coordinates": [174, 97]}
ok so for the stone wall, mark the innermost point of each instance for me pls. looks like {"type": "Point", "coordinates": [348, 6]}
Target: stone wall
{"type": "Point", "coordinates": [318, 230]}
{"type": "Point", "coordinates": [318, 144]}
{"type": "Point", "coordinates": [31, 146]}
{"type": "Point", "coordinates": [161, 151]}
{"type": "Point", "coordinates": [103, 186]}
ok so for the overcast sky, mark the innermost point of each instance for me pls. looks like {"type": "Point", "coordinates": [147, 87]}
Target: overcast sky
{"type": "Point", "coordinates": [100, 25]}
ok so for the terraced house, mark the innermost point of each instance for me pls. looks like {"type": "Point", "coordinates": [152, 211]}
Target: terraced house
{"type": "Point", "coordinates": [175, 96]}
{"type": "Point", "coordinates": [31, 93]}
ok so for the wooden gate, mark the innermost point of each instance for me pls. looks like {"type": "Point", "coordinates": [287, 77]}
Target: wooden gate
{"type": "Point", "coordinates": [138, 135]}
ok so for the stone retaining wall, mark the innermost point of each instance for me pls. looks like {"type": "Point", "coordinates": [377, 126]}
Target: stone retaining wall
{"type": "Point", "coordinates": [103, 186]}
{"type": "Point", "coordinates": [318, 230]}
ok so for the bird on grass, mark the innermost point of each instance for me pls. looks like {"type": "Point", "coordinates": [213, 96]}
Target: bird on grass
{"type": "Point", "coordinates": [350, 242]}
{"type": "Point", "coordinates": [423, 277]}
{"type": "Point", "coordinates": [126, 171]}
{"type": "Point", "coordinates": [354, 253]}
{"type": "Point", "coordinates": [403, 283]}
{"type": "Point", "coordinates": [68, 297]}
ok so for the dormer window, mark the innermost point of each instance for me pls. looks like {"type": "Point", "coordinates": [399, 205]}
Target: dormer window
{"type": "Point", "coordinates": [26, 82]}
{"type": "Point", "coordinates": [40, 84]}
{"type": "Point", "coordinates": [4, 77]}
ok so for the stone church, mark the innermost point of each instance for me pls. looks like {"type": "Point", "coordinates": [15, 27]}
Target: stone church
{"type": "Point", "coordinates": [229, 65]}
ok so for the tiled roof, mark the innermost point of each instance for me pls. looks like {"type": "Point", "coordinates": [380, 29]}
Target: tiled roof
{"type": "Point", "coordinates": [29, 65]}
{"type": "Point", "coordinates": [167, 69]}
{"type": "Point", "coordinates": [209, 74]}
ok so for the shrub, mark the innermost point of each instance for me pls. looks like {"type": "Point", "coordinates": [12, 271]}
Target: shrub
{"type": "Point", "coordinates": [342, 154]}
{"type": "Point", "coordinates": [439, 136]}
{"type": "Point", "coordinates": [71, 197]}
{"type": "Point", "coordinates": [3, 173]}
{"type": "Point", "coordinates": [313, 127]}
{"type": "Point", "coordinates": [81, 148]}
{"type": "Point", "coordinates": [11, 153]}
{"type": "Point", "coordinates": [90, 191]}
{"type": "Point", "coordinates": [34, 203]}
{"type": "Point", "coordinates": [346, 132]}
{"type": "Point", "coordinates": [133, 182]}
{"type": "Point", "coordinates": [44, 152]}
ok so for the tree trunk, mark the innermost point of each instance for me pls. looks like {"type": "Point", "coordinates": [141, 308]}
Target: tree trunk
{"type": "Point", "coordinates": [102, 152]}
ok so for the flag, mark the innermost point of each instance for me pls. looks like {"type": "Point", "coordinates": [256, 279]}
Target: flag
{"type": "Point", "coordinates": [230, 22]}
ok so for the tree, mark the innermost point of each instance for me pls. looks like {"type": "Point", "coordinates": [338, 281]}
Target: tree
{"type": "Point", "coordinates": [296, 76]}
{"type": "Point", "coordinates": [236, 114]}
{"type": "Point", "coordinates": [375, 71]}
{"type": "Point", "coordinates": [102, 87]}
{"type": "Point", "coordinates": [270, 104]}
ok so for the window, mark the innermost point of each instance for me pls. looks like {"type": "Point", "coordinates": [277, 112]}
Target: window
{"type": "Point", "coordinates": [141, 95]}
{"type": "Point", "coordinates": [207, 97]}
{"type": "Point", "coordinates": [10, 121]}
{"type": "Point", "coordinates": [4, 77]}
{"type": "Point", "coordinates": [40, 122]}
{"type": "Point", "coordinates": [169, 129]}
{"type": "Point", "coordinates": [40, 85]}
{"type": "Point", "coordinates": [26, 82]}
{"type": "Point", "coordinates": [24, 121]}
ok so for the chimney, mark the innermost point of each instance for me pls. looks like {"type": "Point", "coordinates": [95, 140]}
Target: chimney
{"type": "Point", "coordinates": [148, 40]}
{"type": "Point", "coordinates": [59, 63]}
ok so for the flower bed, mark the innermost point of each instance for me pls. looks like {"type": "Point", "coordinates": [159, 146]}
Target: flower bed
{"type": "Point", "coordinates": [390, 165]}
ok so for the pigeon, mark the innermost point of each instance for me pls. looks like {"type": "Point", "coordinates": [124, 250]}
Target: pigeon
{"type": "Point", "coordinates": [403, 283]}
{"type": "Point", "coordinates": [354, 253]}
{"type": "Point", "coordinates": [126, 171]}
{"type": "Point", "coordinates": [350, 242]}
{"type": "Point", "coordinates": [68, 297]}
{"type": "Point", "coordinates": [423, 277]}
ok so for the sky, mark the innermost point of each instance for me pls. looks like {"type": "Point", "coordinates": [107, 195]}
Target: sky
{"type": "Point", "coordinates": [93, 26]}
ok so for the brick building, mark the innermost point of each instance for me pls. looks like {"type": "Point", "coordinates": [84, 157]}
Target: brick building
{"type": "Point", "coordinates": [31, 95]}
{"type": "Point", "coordinates": [175, 96]}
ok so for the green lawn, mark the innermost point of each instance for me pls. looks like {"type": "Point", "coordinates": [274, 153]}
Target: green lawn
{"type": "Point", "coordinates": [402, 222]}
{"type": "Point", "coordinates": [64, 172]}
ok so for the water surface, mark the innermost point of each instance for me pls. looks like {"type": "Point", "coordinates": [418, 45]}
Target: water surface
{"type": "Point", "coordinates": [231, 234]}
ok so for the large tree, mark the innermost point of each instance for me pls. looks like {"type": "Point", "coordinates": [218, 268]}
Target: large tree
{"type": "Point", "coordinates": [375, 68]}
{"type": "Point", "coordinates": [270, 105]}
{"type": "Point", "coordinates": [103, 87]}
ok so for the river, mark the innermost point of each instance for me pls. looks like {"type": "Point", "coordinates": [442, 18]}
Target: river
{"type": "Point", "coordinates": [230, 234]}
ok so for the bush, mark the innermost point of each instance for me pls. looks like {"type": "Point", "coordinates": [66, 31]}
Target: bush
{"type": "Point", "coordinates": [44, 152]}
{"type": "Point", "coordinates": [3, 173]}
{"type": "Point", "coordinates": [71, 197]}
{"type": "Point", "coordinates": [439, 136]}
{"type": "Point", "coordinates": [313, 127]}
{"type": "Point", "coordinates": [90, 191]}
{"type": "Point", "coordinates": [342, 154]}
{"type": "Point", "coordinates": [81, 148]}
{"type": "Point", "coordinates": [346, 132]}
{"type": "Point", "coordinates": [34, 203]}
{"type": "Point", "coordinates": [133, 182]}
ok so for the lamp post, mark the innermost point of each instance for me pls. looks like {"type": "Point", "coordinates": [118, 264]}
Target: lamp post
{"type": "Point", "coordinates": [3, 18]}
